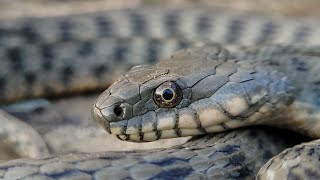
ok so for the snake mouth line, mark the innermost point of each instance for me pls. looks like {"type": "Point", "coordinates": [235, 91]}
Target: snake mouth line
{"type": "Point", "coordinates": [150, 128]}
{"type": "Point", "coordinates": [159, 134]}
{"type": "Point", "coordinates": [173, 133]}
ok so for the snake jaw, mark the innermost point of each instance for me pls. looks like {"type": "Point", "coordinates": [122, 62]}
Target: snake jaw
{"type": "Point", "coordinates": [99, 119]}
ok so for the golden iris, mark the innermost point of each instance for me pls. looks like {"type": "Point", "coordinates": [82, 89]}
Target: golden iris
{"type": "Point", "coordinates": [167, 95]}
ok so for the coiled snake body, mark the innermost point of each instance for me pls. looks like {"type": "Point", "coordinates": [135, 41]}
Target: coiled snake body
{"type": "Point", "coordinates": [205, 89]}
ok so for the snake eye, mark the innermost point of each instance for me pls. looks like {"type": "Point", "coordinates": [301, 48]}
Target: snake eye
{"type": "Point", "coordinates": [118, 110]}
{"type": "Point", "coordinates": [167, 95]}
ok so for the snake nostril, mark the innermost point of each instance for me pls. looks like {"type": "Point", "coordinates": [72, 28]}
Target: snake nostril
{"type": "Point", "coordinates": [118, 110]}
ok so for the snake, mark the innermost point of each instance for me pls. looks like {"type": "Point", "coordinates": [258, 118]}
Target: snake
{"type": "Point", "coordinates": [205, 88]}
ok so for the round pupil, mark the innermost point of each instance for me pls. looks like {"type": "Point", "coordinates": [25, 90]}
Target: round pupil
{"type": "Point", "coordinates": [118, 110]}
{"type": "Point", "coordinates": [167, 94]}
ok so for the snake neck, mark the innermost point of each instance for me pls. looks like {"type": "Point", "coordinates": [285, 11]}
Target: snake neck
{"type": "Point", "coordinates": [299, 64]}
{"type": "Point", "coordinates": [300, 117]}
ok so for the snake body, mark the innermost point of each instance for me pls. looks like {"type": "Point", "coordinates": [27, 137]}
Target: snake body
{"type": "Point", "coordinates": [221, 89]}
{"type": "Point", "coordinates": [90, 50]}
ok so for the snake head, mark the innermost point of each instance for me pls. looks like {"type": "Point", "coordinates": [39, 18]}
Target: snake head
{"type": "Point", "coordinates": [195, 91]}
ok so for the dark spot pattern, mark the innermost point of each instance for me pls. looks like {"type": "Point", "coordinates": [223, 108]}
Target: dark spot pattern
{"type": "Point", "coordinates": [138, 24]}
{"type": "Point", "coordinates": [2, 82]}
{"type": "Point", "coordinates": [65, 30]}
{"type": "Point", "coordinates": [47, 52]}
{"type": "Point", "coordinates": [2, 86]}
{"type": "Point", "coordinates": [86, 48]}
{"type": "Point", "coordinates": [104, 26]}
{"type": "Point", "coordinates": [299, 64]}
{"type": "Point", "coordinates": [47, 64]}
{"type": "Point", "coordinates": [29, 33]}
{"type": "Point", "coordinates": [183, 44]}
{"type": "Point", "coordinates": [66, 74]}
{"type": "Point", "coordinates": [167, 161]}
{"type": "Point", "coordinates": [235, 30]}
{"type": "Point", "coordinates": [229, 149]}
{"type": "Point", "coordinates": [153, 50]}
{"type": "Point", "coordinates": [171, 24]}
{"type": "Point", "coordinates": [174, 174]}
{"type": "Point", "coordinates": [316, 92]}
{"type": "Point", "coordinates": [243, 173]}
{"type": "Point", "coordinates": [99, 71]}
{"type": "Point", "coordinates": [15, 56]}
{"type": "Point", "coordinates": [47, 57]}
{"type": "Point", "coordinates": [299, 150]}
{"type": "Point", "coordinates": [268, 30]}
{"type": "Point", "coordinates": [236, 160]}
{"type": "Point", "coordinates": [311, 152]}
{"type": "Point", "coordinates": [2, 35]}
{"type": "Point", "coordinates": [301, 34]}
{"type": "Point", "coordinates": [311, 174]}
{"type": "Point", "coordinates": [203, 25]}
{"type": "Point", "coordinates": [120, 51]}
{"type": "Point", "coordinates": [30, 78]}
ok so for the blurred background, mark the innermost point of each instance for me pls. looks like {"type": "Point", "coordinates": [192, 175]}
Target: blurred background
{"type": "Point", "coordinates": [20, 8]}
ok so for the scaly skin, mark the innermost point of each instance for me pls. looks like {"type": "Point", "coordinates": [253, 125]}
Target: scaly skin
{"type": "Point", "coordinates": [77, 48]}
{"type": "Point", "coordinates": [220, 91]}
{"type": "Point", "coordinates": [233, 155]}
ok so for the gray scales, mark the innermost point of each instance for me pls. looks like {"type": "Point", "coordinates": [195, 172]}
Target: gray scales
{"type": "Point", "coordinates": [54, 56]}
